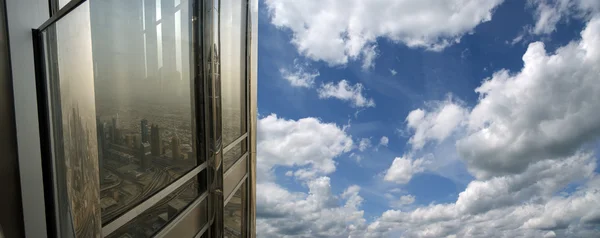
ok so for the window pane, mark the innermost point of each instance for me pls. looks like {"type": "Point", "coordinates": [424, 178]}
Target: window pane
{"type": "Point", "coordinates": [235, 214]}
{"type": "Point", "coordinates": [152, 220]}
{"type": "Point", "coordinates": [73, 122]}
{"type": "Point", "coordinates": [233, 90]}
{"type": "Point", "coordinates": [231, 156]}
{"type": "Point", "coordinates": [121, 104]}
{"type": "Point", "coordinates": [143, 104]}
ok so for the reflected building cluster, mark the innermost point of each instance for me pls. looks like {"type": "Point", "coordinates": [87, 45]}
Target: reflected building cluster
{"type": "Point", "coordinates": [131, 102]}
{"type": "Point", "coordinates": [143, 108]}
{"type": "Point", "coordinates": [133, 169]}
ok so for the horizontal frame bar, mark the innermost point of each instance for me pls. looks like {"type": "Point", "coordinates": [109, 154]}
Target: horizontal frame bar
{"type": "Point", "coordinates": [203, 230]}
{"type": "Point", "coordinates": [235, 189]}
{"type": "Point", "coordinates": [72, 5]}
{"type": "Point", "coordinates": [164, 232]}
{"type": "Point", "coordinates": [235, 164]}
{"type": "Point", "coordinates": [234, 143]}
{"type": "Point", "coordinates": [148, 203]}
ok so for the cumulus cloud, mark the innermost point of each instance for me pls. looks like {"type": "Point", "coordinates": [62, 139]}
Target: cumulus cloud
{"type": "Point", "coordinates": [346, 92]}
{"type": "Point", "coordinates": [407, 199]}
{"type": "Point", "coordinates": [524, 140]}
{"type": "Point", "coordinates": [307, 142]}
{"type": "Point", "coordinates": [318, 213]}
{"type": "Point", "coordinates": [548, 13]}
{"type": "Point", "coordinates": [300, 76]}
{"type": "Point", "coordinates": [311, 145]}
{"type": "Point", "coordinates": [364, 144]}
{"type": "Point", "coordinates": [436, 124]}
{"type": "Point", "coordinates": [336, 31]}
{"type": "Point", "coordinates": [509, 206]}
{"type": "Point", "coordinates": [393, 72]}
{"type": "Point", "coordinates": [545, 111]}
{"type": "Point", "coordinates": [369, 54]}
{"type": "Point", "coordinates": [403, 168]}
{"type": "Point", "coordinates": [384, 141]}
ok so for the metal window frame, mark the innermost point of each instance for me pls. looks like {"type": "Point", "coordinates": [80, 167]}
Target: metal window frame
{"type": "Point", "coordinates": [235, 143]}
{"type": "Point", "coordinates": [200, 73]}
{"type": "Point", "coordinates": [151, 201]}
{"type": "Point", "coordinates": [45, 126]}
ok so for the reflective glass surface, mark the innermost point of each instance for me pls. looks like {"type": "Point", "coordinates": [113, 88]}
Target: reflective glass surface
{"type": "Point", "coordinates": [152, 220]}
{"type": "Point", "coordinates": [69, 68]}
{"type": "Point", "coordinates": [231, 156]}
{"type": "Point", "coordinates": [121, 102]}
{"type": "Point", "coordinates": [233, 86]}
{"type": "Point", "coordinates": [234, 214]}
{"type": "Point", "coordinates": [143, 98]}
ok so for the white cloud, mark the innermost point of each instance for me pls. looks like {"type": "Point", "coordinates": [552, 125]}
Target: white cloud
{"type": "Point", "coordinates": [305, 142]}
{"type": "Point", "coordinates": [301, 76]}
{"type": "Point", "coordinates": [508, 206]}
{"type": "Point", "coordinates": [548, 13]}
{"type": "Point", "coordinates": [436, 124]}
{"type": "Point", "coordinates": [336, 31]}
{"type": "Point", "coordinates": [364, 144]}
{"type": "Point", "coordinates": [401, 202]}
{"type": "Point", "coordinates": [524, 140]}
{"type": "Point", "coordinates": [545, 111]}
{"type": "Point", "coordinates": [384, 141]}
{"type": "Point", "coordinates": [393, 72]}
{"type": "Point", "coordinates": [358, 158]}
{"type": "Point", "coordinates": [369, 54]}
{"type": "Point", "coordinates": [318, 213]}
{"type": "Point", "coordinates": [346, 92]}
{"type": "Point", "coordinates": [407, 199]}
{"type": "Point", "coordinates": [403, 168]}
{"type": "Point", "coordinates": [517, 39]}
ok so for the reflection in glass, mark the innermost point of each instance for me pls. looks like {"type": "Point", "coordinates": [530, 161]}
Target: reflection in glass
{"type": "Point", "coordinates": [231, 156]}
{"type": "Point", "coordinates": [143, 99]}
{"type": "Point", "coordinates": [155, 218]}
{"type": "Point", "coordinates": [69, 70]}
{"type": "Point", "coordinates": [233, 51]}
{"type": "Point", "coordinates": [234, 214]}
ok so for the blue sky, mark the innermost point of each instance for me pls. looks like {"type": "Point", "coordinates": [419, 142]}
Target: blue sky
{"type": "Point", "coordinates": [421, 78]}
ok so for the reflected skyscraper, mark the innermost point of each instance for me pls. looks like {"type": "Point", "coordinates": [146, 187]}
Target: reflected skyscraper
{"type": "Point", "coordinates": [155, 142]}
{"type": "Point", "coordinates": [175, 147]}
{"type": "Point", "coordinates": [145, 155]}
{"type": "Point", "coordinates": [101, 145]}
{"type": "Point", "coordinates": [144, 129]}
{"type": "Point", "coordinates": [115, 129]}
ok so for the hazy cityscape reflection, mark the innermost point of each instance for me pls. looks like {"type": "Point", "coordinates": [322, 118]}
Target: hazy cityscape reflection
{"type": "Point", "coordinates": [143, 107]}
{"type": "Point", "coordinates": [144, 144]}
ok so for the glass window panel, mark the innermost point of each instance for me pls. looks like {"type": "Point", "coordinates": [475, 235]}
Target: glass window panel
{"type": "Point", "coordinates": [233, 87]}
{"type": "Point", "coordinates": [155, 218]}
{"type": "Point", "coordinates": [234, 214]}
{"type": "Point", "coordinates": [233, 155]}
{"type": "Point", "coordinates": [72, 109]}
{"type": "Point", "coordinates": [122, 124]}
{"type": "Point", "coordinates": [144, 110]}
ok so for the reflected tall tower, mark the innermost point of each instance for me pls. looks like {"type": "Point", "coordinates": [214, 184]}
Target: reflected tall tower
{"type": "Point", "coordinates": [175, 147]}
{"type": "Point", "coordinates": [115, 129]}
{"type": "Point", "coordinates": [155, 140]}
{"type": "Point", "coordinates": [145, 158]}
{"type": "Point", "coordinates": [144, 126]}
{"type": "Point", "coordinates": [101, 145]}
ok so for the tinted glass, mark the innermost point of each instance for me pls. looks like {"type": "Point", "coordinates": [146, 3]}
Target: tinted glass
{"type": "Point", "coordinates": [233, 89]}
{"type": "Point", "coordinates": [231, 156]}
{"type": "Point", "coordinates": [152, 220]}
{"type": "Point", "coordinates": [143, 98]}
{"type": "Point", "coordinates": [121, 102]}
{"type": "Point", "coordinates": [234, 214]}
{"type": "Point", "coordinates": [73, 121]}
